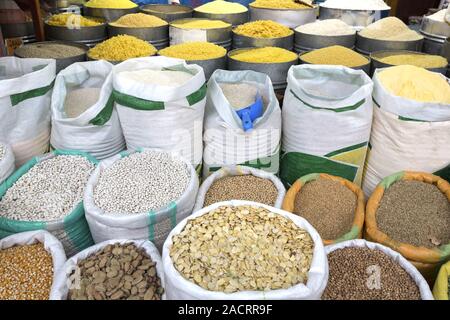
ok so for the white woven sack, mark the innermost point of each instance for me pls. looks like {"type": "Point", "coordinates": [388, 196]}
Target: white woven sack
{"type": "Point", "coordinates": [327, 116]}
{"type": "Point", "coordinates": [51, 244]}
{"type": "Point", "coordinates": [406, 135]}
{"type": "Point", "coordinates": [97, 130]}
{"type": "Point", "coordinates": [64, 281]}
{"type": "Point", "coordinates": [6, 163]}
{"type": "Point", "coordinates": [154, 225]}
{"type": "Point", "coordinates": [163, 117]}
{"type": "Point", "coordinates": [178, 288]}
{"type": "Point", "coordinates": [25, 94]}
{"type": "Point", "coordinates": [226, 143]}
{"type": "Point", "coordinates": [422, 284]}
{"type": "Point", "coordinates": [239, 171]}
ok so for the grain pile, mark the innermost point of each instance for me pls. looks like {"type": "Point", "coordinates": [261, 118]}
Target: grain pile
{"type": "Point", "coordinates": [390, 29]}
{"type": "Point", "coordinates": [415, 212]}
{"type": "Point", "coordinates": [263, 29]}
{"type": "Point", "coordinates": [118, 272]}
{"type": "Point", "coordinates": [200, 24]}
{"type": "Point", "coordinates": [418, 60]}
{"type": "Point", "coordinates": [50, 190]}
{"type": "Point", "coordinates": [79, 100]}
{"type": "Point", "coordinates": [335, 55]}
{"type": "Point", "coordinates": [328, 205]}
{"type": "Point", "coordinates": [194, 51]}
{"type": "Point", "coordinates": [242, 248]}
{"type": "Point", "coordinates": [349, 277]}
{"type": "Point", "coordinates": [26, 273]}
{"type": "Point", "coordinates": [264, 55]}
{"type": "Point", "coordinates": [158, 77]}
{"type": "Point", "coordinates": [111, 4]}
{"type": "Point", "coordinates": [50, 51]}
{"type": "Point", "coordinates": [278, 4]}
{"type": "Point", "coordinates": [138, 20]}
{"type": "Point", "coordinates": [73, 20]}
{"type": "Point", "coordinates": [2, 151]}
{"type": "Point", "coordinates": [221, 7]}
{"type": "Point", "coordinates": [120, 48]}
{"type": "Point", "coordinates": [239, 95]}
{"type": "Point", "coordinates": [141, 182]}
{"type": "Point", "coordinates": [329, 27]}
{"type": "Point", "coordinates": [247, 187]}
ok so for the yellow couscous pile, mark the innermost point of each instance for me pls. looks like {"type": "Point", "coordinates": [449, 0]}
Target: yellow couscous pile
{"type": "Point", "coordinates": [120, 48]}
{"type": "Point", "coordinates": [194, 51]}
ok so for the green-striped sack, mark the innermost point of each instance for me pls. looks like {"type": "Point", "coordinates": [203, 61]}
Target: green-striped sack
{"type": "Point", "coordinates": [327, 116]}
{"type": "Point", "coordinates": [97, 130]}
{"type": "Point", "coordinates": [154, 225]}
{"type": "Point", "coordinates": [226, 143]}
{"type": "Point", "coordinates": [25, 94]}
{"type": "Point", "coordinates": [163, 117]}
{"type": "Point", "coordinates": [73, 230]}
{"type": "Point", "coordinates": [406, 135]}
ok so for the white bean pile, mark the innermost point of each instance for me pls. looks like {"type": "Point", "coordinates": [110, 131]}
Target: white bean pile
{"type": "Point", "coordinates": [141, 182]}
{"type": "Point", "coordinates": [2, 151]}
{"type": "Point", "coordinates": [50, 190]}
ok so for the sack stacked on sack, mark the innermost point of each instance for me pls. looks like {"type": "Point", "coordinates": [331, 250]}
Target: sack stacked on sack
{"type": "Point", "coordinates": [327, 116]}
{"type": "Point", "coordinates": [7, 165]}
{"type": "Point", "coordinates": [406, 135]}
{"type": "Point", "coordinates": [25, 93]}
{"type": "Point", "coordinates": [226, 143]}
{"type": "Point", "coordinates": [97, 130]}
{"type": "Point", "coordinates": [163, 117]}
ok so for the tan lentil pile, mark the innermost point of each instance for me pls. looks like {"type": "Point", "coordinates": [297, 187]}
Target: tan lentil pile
{"type": "Point", "coordinates": [49, 50]}
{"type": "Point", "coordinates": [350, 272]}
{"type": "Point", "coordinates": [26, 273]}
{"type": "Point", "coordinates": [117, 272]}
{"type": "Point", "coordinates": [246, 187]}
{"type": "Point", "coordinates": [415, 212]}
{"type": "Point", "coordinates": [328, 205]}
{"type": "Point", "coordinates": [242, 248]}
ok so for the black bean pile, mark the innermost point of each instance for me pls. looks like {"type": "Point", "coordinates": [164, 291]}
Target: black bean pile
{"type": "Point", "coordinates": [328, 206]}
{"type": "Point", "coordinates": [247, 187]}
{"type": "Point", "coordinates": [415, 212]}
{"type": "Point", "coordinates": [365, 274]}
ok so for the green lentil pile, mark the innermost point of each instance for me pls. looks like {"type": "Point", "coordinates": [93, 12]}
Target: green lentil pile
{"type": "Point", "coordinates": [26, 273]}
{"type": "Point", "coordinates": [415, 212]}
{"type": "Point", "coordinates": [350, 277]}
{"type": "Point", "coordinates": [328, 206]}
{"type": "Point", "coordinates": [49, 51]}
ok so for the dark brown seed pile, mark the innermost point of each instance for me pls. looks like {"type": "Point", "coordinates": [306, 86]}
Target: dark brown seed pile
{"type": "Point", "coordinates": [328, 206]}
{"type": "Point", "coordinates": [117, 272]}
{"type": "Point", "coordinates": [415, 212]}
{"type": "Point", "coordinates": [246, 187]}
{"type": "Point", "coordinates": [365, 274]}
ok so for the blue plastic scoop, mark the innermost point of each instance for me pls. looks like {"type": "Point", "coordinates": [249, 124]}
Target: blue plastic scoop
{"type": "Point", "coordinates": [251, 113]}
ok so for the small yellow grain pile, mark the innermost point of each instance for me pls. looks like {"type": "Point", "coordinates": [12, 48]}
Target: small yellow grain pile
{"type": "Point", "coordinates": [120, 48]}
{"type": "Point", "coordinates": [200, 24]}
{"type": "Point", "coordinates": [418, 60]}
{"type": "Point", "coordinates": [278, 4]}
{"type": "Point", "coordinates": [111, 4]}
{"type": "Point", "coordinates": [139, 20]}
{"type": "Point", "coordinates": [264, 55]}
{"type": "Point", "coordinates": [221, 7]}
{"type": "Point", "coordinates": [73, 20]}
{"type": "Point", "coordinates": [335, 55]}
{"type": "Point", "coordinates": [415, 83]}
{"type": "Point", "coordinates": [263, 29]}
{"type": "Point", "coordinates": [390, 28]}
{"type": "Point", "coordinates": [194, 51]}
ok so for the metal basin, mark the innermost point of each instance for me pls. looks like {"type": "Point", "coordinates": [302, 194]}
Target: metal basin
{"type": "Point", "coordinates": [168, 12]}
{"type": "Point", "coordinates": [157, 36]}
{"type": "Point", "coordinates": [356, 18]}
{"type": "Point", "coordinates": [288, 17]}
{"type": "Point", "coordinates": [308, 42]}
{"type": "Point", "coordinates": [367, 45]}
{"type": "Point", "coordinates": [240, 41]}
{"type": "Point", "coordinates": [234, 18]}
{"type": "Point", "coordinates": [210, 65]}
{"type": "Point", "coordinates": [85, 35]}
{"type": "Point", "coordinates": [108, 14]}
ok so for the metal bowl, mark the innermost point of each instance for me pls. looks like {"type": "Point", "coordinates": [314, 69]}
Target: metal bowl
{"type": "Point", "coordinates": [89, 36]}
{"type": "Point", "coordinates": [234, 18]}
{"type": "Point", "coordinates": [168, 12]}
{"type": "Point", "coordinates": [61, 63]}
{"type": "Point", "coordinates": [446, 50]}
{"type": "Point", "coordinates": [367, 45]}
{"type": "Point", "coordinates": [210, 65]}
{"type": "Point", "coordinates": [364, 67]}
{"type": "Point", "coordinates": [219, 36]}
{"type": "Point", "coordinates": [376, 63]}
{"type": "Point", "coordinates": [241, 41]}
{"type": "Point", "coordinates": [157, 36]}
{"type": "Point", "coordinates": [308, 42]}
{"type": "Point", "coordinates": [277, 72]}
{"type": "Point", "coordinates": [108, 14]}
{"type": "Point", "coordinates": [356, 18]}
{"type": "Point", "coordinates": [288, 17]}
{"type": "Point", "coordinates": [436, 29]}
{"type": "Point", "coordinates": [17, 30]}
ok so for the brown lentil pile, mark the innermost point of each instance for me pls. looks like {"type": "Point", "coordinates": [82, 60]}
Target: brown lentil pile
{"type": "Point", "coordinates": [328, 206]}
{"type": "Point", "coordinates": [117, 272]}
{"type": "Point", "coordinates": [415, 212]}
{"type": "Point", "coordinates": [247, 187]}
{"type": "Point", "coordinates": [26, 273]}
{"type": "Point", "coordinates": [350, 275]}
{"type": "Point", "coordinates": [241, 248]}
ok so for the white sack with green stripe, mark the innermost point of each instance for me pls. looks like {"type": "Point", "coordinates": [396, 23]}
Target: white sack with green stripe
{"type": "Point", "coordinates": [154, 225]}
{"type": "Point", "coordinates": [7, 165]}
{"type": "Point", "coordinates": [327, 116]}
{"type": "Point", "coordinates": [163, 117]}
{"type": "Point", "coordinates": [226, 143]}
{"type": "Point", "coordinates": [97, 130]}
{"type": "Point", "coordinates": [406, 135]}
{"type": "Point", "coordinates": [25, 94]}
